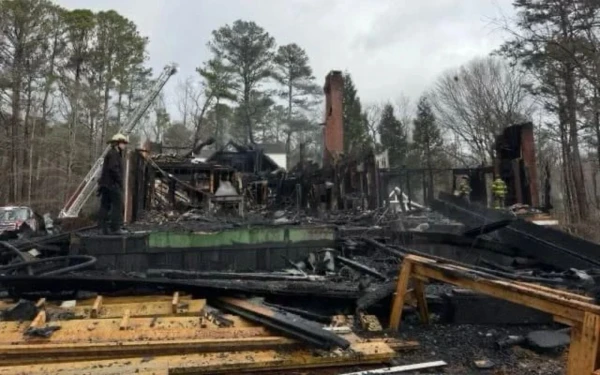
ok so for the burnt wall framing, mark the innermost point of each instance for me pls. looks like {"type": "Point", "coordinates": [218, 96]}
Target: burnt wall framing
{"type": "Point", "coordinates": [427, 183]}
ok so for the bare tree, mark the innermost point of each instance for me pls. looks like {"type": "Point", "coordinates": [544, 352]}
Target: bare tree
{"type": "Point", "coordinates": [372, 117]}
{"type": "Point", "coordinates": [404, 109]}
{"type": "Point", "coordinates": [185, 99]}
{"type": "Point", "coordinates": [478, 100]}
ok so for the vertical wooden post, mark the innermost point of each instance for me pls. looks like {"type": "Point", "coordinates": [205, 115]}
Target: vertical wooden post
{"type": "Point", "coordinates": [421, 301]}
{"type": "Point", "coordinates": [583, 351]}
{"type": "Point", "coordinates": [128, 187]}
{"type": "Point", "coordinates": [401, 288]}
{"type": "Point", "coordinates": [175, 303]}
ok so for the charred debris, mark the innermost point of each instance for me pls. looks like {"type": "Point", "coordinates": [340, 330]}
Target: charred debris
{"type": "Point", "coordinates": [289, 248]}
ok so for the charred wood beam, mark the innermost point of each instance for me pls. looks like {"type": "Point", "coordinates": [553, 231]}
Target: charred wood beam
{"type": "Point", "coordinates": [550, 246]}
{"type": "Point", "coordinates": [470, 244]}
{"type": "Point", "coordinates": [361, 267]}
{"type": "Point", "coordinates": [303, 313]}
{"type": "Point", "coordinates": [20, 285]}
{"type": "Point", "coordinates": [487, 228]}
{"type": "Point", "coordinates": [287, 324]}
{"type": "Point", "coordinates": [181, 274]}
{"type": "Point", "coordinates": [404, 251]}
{"type": "Point", "coordinates": [47, 242]}
{"type": "Point", "coordinates": [375, 294]}
{"type": "Point", "coordinates": [384, 248]}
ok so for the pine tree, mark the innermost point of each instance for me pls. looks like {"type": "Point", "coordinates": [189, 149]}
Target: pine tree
{"type": "Point", "coordinates": [393, 136]}
{"type": "Point", "coordinates": [427, 139]}
{"type": "Point", "coordinates": [248, 50]}
{"type": "Point", "coordinates": [293, 72]}
{"type": "Point", "coordinates": [355, 132]}
{"type": "Point", "coordinates": [219, 85]}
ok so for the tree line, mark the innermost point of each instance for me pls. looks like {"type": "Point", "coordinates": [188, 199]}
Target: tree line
{"type": "Point", "coordinates": [249, 91]}
{"type": "Point", "coordinates": [68, 79]}
{"type": "Point", "coordinates": [546, 72]}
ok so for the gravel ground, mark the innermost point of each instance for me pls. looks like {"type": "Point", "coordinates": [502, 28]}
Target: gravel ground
{"type": "Point", "coordinates": [461, 345]}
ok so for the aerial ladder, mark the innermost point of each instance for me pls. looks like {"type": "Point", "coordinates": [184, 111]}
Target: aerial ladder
{"type": "Point", "coordinates": [90, 183]}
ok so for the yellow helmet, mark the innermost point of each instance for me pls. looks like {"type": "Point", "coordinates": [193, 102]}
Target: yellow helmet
{"type": "Point", "coordinates": [119, 138]}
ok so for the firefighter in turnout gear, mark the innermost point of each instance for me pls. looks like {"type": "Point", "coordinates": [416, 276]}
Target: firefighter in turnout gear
{"type": "Point", "coordinates": [111, 187]}
{"type": "Point", "coordinates": [499, 191]}
{"type": "Point", "coordinates": [464, 189]}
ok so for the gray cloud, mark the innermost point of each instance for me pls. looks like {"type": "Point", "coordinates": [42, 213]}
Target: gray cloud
{"type": "Point", "coordinates": [389, 46]}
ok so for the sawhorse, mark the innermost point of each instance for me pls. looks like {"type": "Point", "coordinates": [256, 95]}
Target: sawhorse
{"type": "Point", "coordinates": [577, 311]}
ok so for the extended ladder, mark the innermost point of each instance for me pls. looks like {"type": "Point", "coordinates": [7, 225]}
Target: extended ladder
{"type": "Point", "coordinates": [90, 182]}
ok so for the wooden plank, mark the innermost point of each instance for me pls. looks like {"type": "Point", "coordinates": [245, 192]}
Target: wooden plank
{"type": "Point", "coordinates": [161, 308]}
{"type": "Point", "coordinates": [548, 294]}
{"type": "Point", "coordinates": [39, 321]}
{"type": "Point", "coordinates": [125, 320]}
{"type": "Point", "coordinates": [397, 369]}
{"type": "Point", "coordinates": [401, 288]}
{"type": "Point", "coordinates": [499, 290]}
{"type": "Point", "coordinates": [96, 307]}
{"type": "Point", "coordinates": [82, 327]}
{"type": "Point", "coordinates": [544, 301]}
{"type": "Point", "coordinates": [55, 353]}
{"type": "Point", "coordinates": [216, 363]}
{"type": "Point", "coordinates": [370, 323]}
{"type": "Point", "coordinates": [133, 299]}
{"type": "Point", "coordinates": [565, 321]}
{"type": "Point", "coordinates": [563, 293]}
{"type": "Point", "coordinates": [107, 331]}
{"type": "Point", "coordinates": [339, 320]}
{"type": "Point", "coordinates": [175, 302]}
{"type": "Point", "coordinates": [398, 345]}
{"type": "Point", "coordinates": [41, 303]}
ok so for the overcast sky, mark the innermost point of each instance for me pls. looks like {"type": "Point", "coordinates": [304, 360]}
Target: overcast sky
{"type": "Point", "coordinates": [389, 46]}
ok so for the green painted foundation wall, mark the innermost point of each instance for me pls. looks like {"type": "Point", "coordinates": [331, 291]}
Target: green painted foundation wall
{"type": "Point", "coordinates": [241, 236]}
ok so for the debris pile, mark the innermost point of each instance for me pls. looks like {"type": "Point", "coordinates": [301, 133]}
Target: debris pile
{"type": "Point", "coordinates": [232, 263]}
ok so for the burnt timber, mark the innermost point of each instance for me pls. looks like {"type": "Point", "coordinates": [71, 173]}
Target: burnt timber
{"type": "Point", "coordinates": [553, 247]}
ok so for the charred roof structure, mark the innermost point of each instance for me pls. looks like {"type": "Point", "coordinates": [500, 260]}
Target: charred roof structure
{"type": "Point", "coordinates": [244, 159]}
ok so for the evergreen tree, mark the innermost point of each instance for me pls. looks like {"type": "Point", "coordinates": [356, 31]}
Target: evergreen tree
{"type": "Point", "coordinates": [427, 139]}
{"type": "Point", "coordinates": [393, 136]}
{"type": "Point", "coordinates": [177, 135]}
{"type": "Point", "coordinates": [248, 51]}
{"type": "Point", "coordinates": [293, 72]}
{"type": "Point", "coordinates": [355, 132]}
{"type": "Point", "coordinates": [219, 85]}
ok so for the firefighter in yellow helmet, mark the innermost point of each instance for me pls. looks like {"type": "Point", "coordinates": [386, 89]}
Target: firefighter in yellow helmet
{"type": "Point", "coordinates": [111, 187]}
{"type": "Point", "coordinates": [499, 191]}
{"type": "Point", "coordinates": [464, 189]}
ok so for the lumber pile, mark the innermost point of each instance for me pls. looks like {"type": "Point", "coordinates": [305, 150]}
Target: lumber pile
{"type": "Point", "coordinates": [173, 334]}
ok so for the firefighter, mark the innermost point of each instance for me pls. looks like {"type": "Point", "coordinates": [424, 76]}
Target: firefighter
{"type": "Point", "coordinates": [464, 189]}
{"type": "Point", "coordinates": [111, 187]}
{"type": "Point", "coordinates": [499, 191]}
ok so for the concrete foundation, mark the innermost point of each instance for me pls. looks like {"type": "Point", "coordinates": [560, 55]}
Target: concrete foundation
{"type": "Point", "coordinates": [240, 249]}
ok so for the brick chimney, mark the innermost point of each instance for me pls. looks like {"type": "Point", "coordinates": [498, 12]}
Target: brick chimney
{"type": "Point", "coordinates": [333, 131]}
{"type": "Point", "coordinates": [529, 160]}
